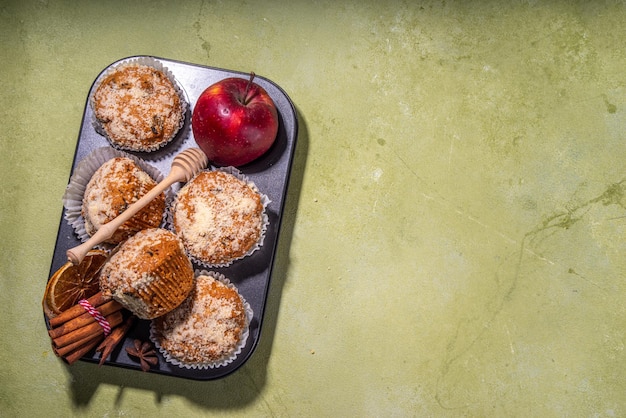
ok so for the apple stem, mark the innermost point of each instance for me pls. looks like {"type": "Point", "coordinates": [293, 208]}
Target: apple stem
{"type": "Point", "coordinates": [245, 95]}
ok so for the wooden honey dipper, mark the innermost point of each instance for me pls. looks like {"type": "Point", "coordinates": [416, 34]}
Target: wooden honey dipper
{"type": "Point", "coordinates": [184, 166]}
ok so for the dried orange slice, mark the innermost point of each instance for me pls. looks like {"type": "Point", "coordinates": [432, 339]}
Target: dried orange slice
{"type": "Point", "coordinates": [71, 283]}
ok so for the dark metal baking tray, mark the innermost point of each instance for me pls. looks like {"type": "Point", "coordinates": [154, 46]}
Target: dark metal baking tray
{"type": "Point", "coordinates": [252, 275]}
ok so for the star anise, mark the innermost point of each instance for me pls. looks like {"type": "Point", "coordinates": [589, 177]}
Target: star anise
{"type": "Point", "coordinates": [145, 353]}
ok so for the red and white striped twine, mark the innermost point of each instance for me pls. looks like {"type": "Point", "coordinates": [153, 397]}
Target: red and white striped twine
{"type": "Point", "coordinates": [96, 315]}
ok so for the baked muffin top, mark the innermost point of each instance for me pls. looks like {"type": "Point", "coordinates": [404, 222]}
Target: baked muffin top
{"type": "Point", "coordinates": [207, 327]}
{"type": "Point", "coordinates": [149, 274]}
{"type": "Point", "coordinates": [114, 186]}
{"type": "Point", "coordinates": [218, 217]}
{"type": "Point", "coordinates": [138, 108]}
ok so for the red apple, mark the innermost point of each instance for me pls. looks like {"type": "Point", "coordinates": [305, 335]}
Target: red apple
{"type": "Point", "coordinates": [234, 121]}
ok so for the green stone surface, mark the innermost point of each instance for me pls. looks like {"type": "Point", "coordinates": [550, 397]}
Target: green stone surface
{"type": "Point", "coordinates": [453, 241]}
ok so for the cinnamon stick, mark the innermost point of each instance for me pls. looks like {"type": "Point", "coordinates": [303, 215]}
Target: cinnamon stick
{"type": "Point", "coordinates": [113, 339]}
{"type": "Point", "coordinates": [77, 310]}
{"type": "Point", "coordinates": [78, 353]}
{"type": "Point", "coordinates": [93, 328]}
{"type": "Point", "coordinates": [68, 349]}
{"type": "Point", "coordinates": [84, 319]}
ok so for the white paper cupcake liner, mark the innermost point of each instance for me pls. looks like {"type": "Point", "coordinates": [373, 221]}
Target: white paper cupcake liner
{"type": "Point", "coordinates": [221, 362]}
{"type": "Point", "coordinates": [150, 62]}
{"type": "Point", "coordinates": [265, 201]}
{"type": "Point", "coordinates": [84, 170]}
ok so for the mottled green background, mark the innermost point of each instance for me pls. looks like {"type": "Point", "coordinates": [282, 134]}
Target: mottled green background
{"type": "Point", "coordinates": [453, 242]}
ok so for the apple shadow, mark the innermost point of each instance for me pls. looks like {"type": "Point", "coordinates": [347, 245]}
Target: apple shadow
{"type": "Point", "coordinates": [239, 388]}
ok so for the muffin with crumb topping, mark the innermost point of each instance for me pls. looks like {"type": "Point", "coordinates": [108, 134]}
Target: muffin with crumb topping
{"type": "Point", "coordinates": [149, 274]}
{"type": "Point", "coordinates": [220, 217]}
{"type": "Point", "coordinates": [117, 184]}
{"type": "Point", "coordinates": [138, 107]}
{"type": "Point", "coordinates": [208, 329]}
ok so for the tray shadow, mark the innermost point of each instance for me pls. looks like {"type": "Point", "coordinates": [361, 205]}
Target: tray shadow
{"type": "Point", "coordinates": [245, 384]}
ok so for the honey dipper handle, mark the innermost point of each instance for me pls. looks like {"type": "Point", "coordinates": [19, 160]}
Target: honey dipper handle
{"type": "Point", "coordinates": [184, 166]}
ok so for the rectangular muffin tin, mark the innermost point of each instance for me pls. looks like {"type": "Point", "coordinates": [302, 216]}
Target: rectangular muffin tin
{"type": "Point", "coordinates": [252, 275]}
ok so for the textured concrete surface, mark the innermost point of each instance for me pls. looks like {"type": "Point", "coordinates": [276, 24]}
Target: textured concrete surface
{"type": "Point", "coordinates": [454, 235]}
